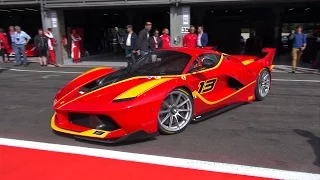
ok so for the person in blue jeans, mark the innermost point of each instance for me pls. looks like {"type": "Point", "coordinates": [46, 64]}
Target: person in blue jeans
{"type": "Point", "coordinates": [21, 39]}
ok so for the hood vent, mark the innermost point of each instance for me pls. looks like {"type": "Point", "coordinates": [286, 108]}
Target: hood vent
{"type": "Point", "coordinates": [104, 81]}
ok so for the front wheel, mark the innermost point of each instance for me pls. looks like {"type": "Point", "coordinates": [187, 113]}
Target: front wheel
{"type": "Point", "coordinates": [176, 112]}
{"type": "Point", "coordinates": [263, 85]}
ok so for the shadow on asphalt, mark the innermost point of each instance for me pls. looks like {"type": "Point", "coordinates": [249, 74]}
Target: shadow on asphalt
{"type": "Point", "coordinates": [314, 141]}
{"type": "Point", "coordinates": [2, 70]}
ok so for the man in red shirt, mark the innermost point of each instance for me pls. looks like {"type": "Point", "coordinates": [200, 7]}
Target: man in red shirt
{"type": "Point", "coordinates": [51, 42]}
{"type": "Point", "coordinates": [4, 45]}
{"type": "Point", "coordinates": [165, 38]}
{"type": "Point", "coordinates": [190, 39]}
{"type": "Point", "coordinates": [75, 46]}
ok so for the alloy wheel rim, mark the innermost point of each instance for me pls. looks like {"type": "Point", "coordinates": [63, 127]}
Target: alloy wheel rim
{"type": "Point", "coordinates": [175, 112]}
{"type": "Point", "coordinates": [264, 84]}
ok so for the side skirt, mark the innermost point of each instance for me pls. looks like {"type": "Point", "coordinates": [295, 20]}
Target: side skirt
{"type": "Point", "coordinates": [216, 112]}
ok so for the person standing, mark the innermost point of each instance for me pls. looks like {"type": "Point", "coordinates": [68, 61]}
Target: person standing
{"type": "Point", "coordinates": [317, 61]}
{"type": "Point", "coordinates": [51, 43]}
{"type": "Point", "coordinates": [165, 38]}
{"type": "Point", "coordinates": [155, 41]}
{"type": "Point", "coordinates": [190, 39]}
{"type": "Point", "coordinates": [202, 40]}
{"type": "Point", "coordinates": [4, 45]}
{"type": "Point", "coordinates": [130, 40]}
{"type": "Point", "coordinates": [21, 39]}
{"type": "Point", "coordinates": [298, 46]}
{"type": "Point", "coordinates": [143, 40]}
{"type": "Point", "coordinates": [12, 31]}
{"type": "Point", "coordinates": [41, 44]}
{"type": "Point", "coordinates": [75, 46]}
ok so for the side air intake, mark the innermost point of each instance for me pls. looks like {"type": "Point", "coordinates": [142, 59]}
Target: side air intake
{"type": "Point", "coordinates": [234, 84]}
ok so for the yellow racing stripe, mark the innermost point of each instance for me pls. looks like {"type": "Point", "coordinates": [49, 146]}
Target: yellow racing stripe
{"type": "Point", "coordinates": [246, 62]}
{"type": "Point", "coordinates": [141, 88]}
{"type": "Point", "coordinates": [196, 94]}
{"type": "Point", "coordinates": [272, 66]}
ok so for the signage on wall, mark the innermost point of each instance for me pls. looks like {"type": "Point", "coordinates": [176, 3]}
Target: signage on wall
{"type": "Point", "coordinates": [185, 15]}
{"type": "Point", "coordinates": [54, 19]}
{"type": "Point", "coordinates": [54, 22]}
{"type": "Point", "coordinates": [184, 30]}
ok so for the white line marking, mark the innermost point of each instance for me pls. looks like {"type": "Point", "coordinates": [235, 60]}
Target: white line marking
{"type": "Point", "coordinates": [43, 109]}
{"type": "Point", "coordinates": [26, 70]}
{"type": "Point", "coordinates": [47, 76]}
{"type": "Point", "coordinates": [166, 161]}
{"type": "Point", "coordinates": [297, 80]}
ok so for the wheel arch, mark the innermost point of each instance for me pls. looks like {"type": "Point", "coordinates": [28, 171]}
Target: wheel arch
{"type": "Point", "coordinates": [186, 89]}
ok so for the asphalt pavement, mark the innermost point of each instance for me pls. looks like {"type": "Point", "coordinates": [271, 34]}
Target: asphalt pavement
{"type": "Point", "coordinates": [281, 132]}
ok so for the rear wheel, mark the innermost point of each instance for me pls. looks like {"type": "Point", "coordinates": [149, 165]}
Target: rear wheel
{"type": "Point", "coordinates": [176, 112]}
{"type": "Point", "coordinates": [263, 85]}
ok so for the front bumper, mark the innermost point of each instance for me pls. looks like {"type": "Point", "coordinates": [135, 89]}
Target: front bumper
{"type": "Point", "coordinates": [98, 135]}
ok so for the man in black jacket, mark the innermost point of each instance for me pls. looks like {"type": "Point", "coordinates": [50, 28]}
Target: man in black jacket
{"type": "Point", "coordinates": [143, 40]}
{"type": "Point", "coordinates": [41, 44]}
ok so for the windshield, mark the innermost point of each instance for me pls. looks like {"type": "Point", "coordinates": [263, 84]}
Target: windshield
{"type": "Point", "coordinates": [163, 62]}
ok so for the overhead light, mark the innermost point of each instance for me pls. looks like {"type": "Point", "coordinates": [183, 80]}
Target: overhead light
{"type": "Point", "coordinates": [17, 10]}
{"type": "Point", "coordinates": [306, 9]}
{"type": "Point", "coordinates": [31, 9]}
{"type": "Point", "coordinates": [226, 10]}
{"type": "Point", "coordinates": [115, 14]}
{"type": "Point", "coordinates": [212, 11]}
{"type": "Point", "coordinates": [4, 10]}
{"type": "Point", "coordinates": [105, 14]}
{"type": "Point", "coordinates": [240, 10]}
{"type": "Point", "coordinates": [290, 9]}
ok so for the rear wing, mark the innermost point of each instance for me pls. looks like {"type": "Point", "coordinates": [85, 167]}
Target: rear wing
{"type": "Point", "coordinates": [265, 58]}
{"type": "Point", "coordinates": [267, 55]}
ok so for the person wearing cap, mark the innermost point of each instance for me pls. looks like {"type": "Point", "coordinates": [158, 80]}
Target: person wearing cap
{"type": "Point", "coordinates": [130, 40]}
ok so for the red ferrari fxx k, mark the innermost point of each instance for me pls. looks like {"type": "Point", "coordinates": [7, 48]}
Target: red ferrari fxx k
{"type": "Point", "coordinates": [162, 92]}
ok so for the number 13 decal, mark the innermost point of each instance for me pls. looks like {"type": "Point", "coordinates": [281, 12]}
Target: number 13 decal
{"type": "Point", "coordinates": [207, 86]}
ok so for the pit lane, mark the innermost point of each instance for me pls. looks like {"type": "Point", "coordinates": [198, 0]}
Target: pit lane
{"type": "Point", "coordinates": [281, 132]}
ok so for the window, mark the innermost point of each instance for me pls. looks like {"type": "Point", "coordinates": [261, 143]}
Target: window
{"type": "Point", "coordinates": [205, 61]}
{"type": "Point", "coordinates": [163, 62]}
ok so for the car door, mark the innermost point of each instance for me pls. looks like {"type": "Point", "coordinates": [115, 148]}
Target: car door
{"type": "Point", "coordinates": [210, 82]}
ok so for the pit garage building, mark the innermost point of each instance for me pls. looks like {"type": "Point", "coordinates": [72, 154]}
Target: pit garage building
{"type": "Point", "coordinates": [226, 21]}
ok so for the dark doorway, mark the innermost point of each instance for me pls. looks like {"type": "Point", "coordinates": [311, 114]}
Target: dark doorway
{"type": "Point", "coordinates": [99, 25]}
{"type": "Point", "coordinates": [28, 18]}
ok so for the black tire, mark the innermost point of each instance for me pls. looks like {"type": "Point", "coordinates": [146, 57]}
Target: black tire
{"type": "Point", "coordinates": [162, 127]}
{"type": "Point", "coordinates": [258, 94]}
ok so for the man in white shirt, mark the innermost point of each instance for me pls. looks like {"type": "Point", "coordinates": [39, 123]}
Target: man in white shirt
{"type": "Point", "coordinates": [130, 40]}
{"type": "Point", "coordinates": [202, 40]}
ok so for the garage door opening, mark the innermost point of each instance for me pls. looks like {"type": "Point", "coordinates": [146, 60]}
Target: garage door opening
{"type": "Point", "coordinates": [98, 26]}
{"type": "Point", "coordinates": [28, 18]}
